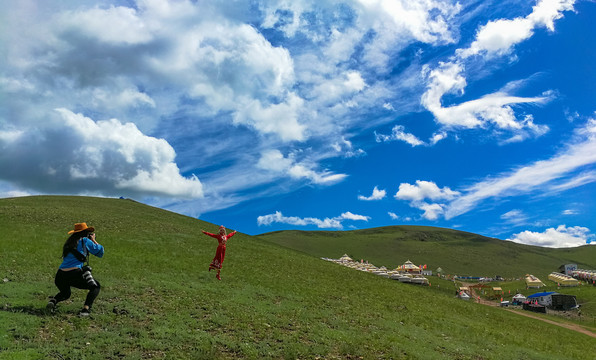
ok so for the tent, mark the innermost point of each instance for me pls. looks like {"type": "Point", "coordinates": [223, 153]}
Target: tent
{"type": "Point", "coordinates": [518, 299]}
{"type": "Point", "coordinates": [563, 280]}
{"type": "Point", "coordinates": [533, 282]}
{"type": "Point", "coordinates": [409, 267]}
{"type": "Point", "coordinates": [464, 296]}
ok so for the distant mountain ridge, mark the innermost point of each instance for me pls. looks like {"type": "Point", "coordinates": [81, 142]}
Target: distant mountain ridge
{"type": "Point", "coordinates": [456, 252]}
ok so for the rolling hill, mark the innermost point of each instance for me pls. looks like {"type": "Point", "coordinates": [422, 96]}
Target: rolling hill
{"type": "Point", "coordinates": [158, 301]}
{"type": "Point", "coordinates": [456, 252]}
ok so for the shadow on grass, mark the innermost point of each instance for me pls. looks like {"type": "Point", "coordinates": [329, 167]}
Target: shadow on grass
{"type": "Point", "coordinates": [29, 309]}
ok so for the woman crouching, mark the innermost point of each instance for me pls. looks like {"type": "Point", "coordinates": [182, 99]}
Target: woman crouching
{"type": "Point", "coordinates": [72, 272]}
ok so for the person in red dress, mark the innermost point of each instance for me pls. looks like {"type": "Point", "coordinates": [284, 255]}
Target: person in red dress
{"type": "Point", "coordinates": [220, 253]}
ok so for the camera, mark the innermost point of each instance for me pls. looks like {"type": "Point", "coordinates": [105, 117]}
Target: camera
{"type": "Point", "coordinates": [88, 276]}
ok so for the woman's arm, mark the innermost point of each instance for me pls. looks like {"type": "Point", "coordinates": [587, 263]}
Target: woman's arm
{"type": "Point", "coordinates": [209, 234]}
{"type": "Point", "coordinates": [93, 246]}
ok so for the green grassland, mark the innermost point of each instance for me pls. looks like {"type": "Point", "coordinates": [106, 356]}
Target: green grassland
{"type": "Point", "coordinates": [158, 300]}
{"type": "Point", "coordinates": [456, 252]}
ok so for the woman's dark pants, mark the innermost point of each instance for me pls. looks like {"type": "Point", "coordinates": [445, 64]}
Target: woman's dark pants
{"type": "Point", "coordinates": [65, 279]}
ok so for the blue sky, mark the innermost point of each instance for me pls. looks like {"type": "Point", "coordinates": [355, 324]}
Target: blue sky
{"type": "Point", "coordinates": [312, 115]}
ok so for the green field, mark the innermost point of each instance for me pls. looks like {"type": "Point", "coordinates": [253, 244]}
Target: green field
{"type": "Point", "coordinates": [158, 300]}
{"type": "Point", "coordinates": [456, 252]}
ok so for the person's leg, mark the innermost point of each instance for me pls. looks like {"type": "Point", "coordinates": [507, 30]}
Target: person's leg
{"type": "Point", "coordinates": [63, 283]}
{"type": "Point", "coordinates": [80, 283]}
{"type": "Point", "coordinates": [91, 295]}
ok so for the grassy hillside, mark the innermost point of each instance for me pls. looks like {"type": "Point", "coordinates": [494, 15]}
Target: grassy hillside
{"type": "Point", "coordinates": [159, 301]}
{"type": "Point", "coordinates": [456, 252]}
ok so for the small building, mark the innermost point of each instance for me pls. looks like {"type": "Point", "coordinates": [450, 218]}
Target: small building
{"type": "Point", "coordinates": [543, 298]}
{"type": "Point", "coordinates": [567, 269]}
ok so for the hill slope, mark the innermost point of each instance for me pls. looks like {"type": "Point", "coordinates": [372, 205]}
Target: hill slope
{"type": "Point", "coordinates": [456, 252]}
{"type": "Point", "coordinates": [159, 301]}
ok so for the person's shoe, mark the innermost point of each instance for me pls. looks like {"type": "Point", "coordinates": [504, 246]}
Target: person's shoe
{"type": "Point", "coordinates": [218, 277]}
{"type": "Point", "coordinates": [51, 306]}
{"type": "Point", "coordinates": [85, 312]}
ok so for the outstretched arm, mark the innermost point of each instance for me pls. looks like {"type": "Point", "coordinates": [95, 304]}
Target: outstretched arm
{"type": "Point", "coordinates": [231, 234]}
{"type": "Point", "coordinates": [209, 234]}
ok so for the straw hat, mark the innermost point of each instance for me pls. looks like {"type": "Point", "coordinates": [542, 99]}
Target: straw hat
{"type": "Point", "coordinates": [78, 227]}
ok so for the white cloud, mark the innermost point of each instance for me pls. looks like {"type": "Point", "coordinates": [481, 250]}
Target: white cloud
{"type": "Point", "coordinates": [274, 160]}
{"type": "Point", "coordinates": [570, 212]}
{"type": "Point", "coordinates": [398, 133]}
{"type": "Point", "coordinates": [438, 137]}
{"type": "Point", "coordinates": [534, 176]}
{"type": "Point", "coordinates": [495, 108]}
{"type": "Point", "coordinates": [393, 215]}
{"type": "Point", "coordinates": [75, 154]}
{"type": "Point", "coordinates": [228, 66]}
{"type": "Point", "coordinates": [515, 217]}
{"type": "Point", "coordinates": [345, 147]}
{"type": "Point", "coordinates": [376, 195]}
{"type": "Point", "coordinates": [114, 25]}
{"type": "Point", "coordinates": [513, 214]}
{"type": "Point", "coordinates": [338, 88]}
{"type": "Point", "coordinates": [576, 181]}
{"type": "Point", "coordinates": [556, 174]}
{"type": "Point", "coordinates": [498, 37]}
{"type": "Point", "coordinates": [388, 106]}
{"type": "Point", "coordinates": [280, 119]}
{"type": "Point", "coordinates": [561, 237]}
{"type": "Point", "coordinates": [127, 98]}
{"type": "Point", "coordinates": [426, 21]}
{"type": "Point", "coordinates": [334, 223]}
{"type": "Point", "coordinates": [350, 216]}
{"type": "Point", "coordinates": [208, 79]}
{"type": "Point", "coordinates": [276, 17]}
{"type": "Point", "coordinates": [431, 211]}
{"type": "Point", "coordinates": [424, 190]}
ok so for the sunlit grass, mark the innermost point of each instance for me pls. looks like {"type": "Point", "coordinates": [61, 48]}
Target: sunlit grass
{"type": "Point", "coordinates": [159, 301]}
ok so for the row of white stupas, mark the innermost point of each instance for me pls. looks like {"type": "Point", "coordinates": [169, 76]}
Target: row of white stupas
{"type": "Point", "coordinates": [407, 273]}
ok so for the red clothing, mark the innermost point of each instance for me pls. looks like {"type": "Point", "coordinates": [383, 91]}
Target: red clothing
{"type": "Point", "coordinates": [220, 253]}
